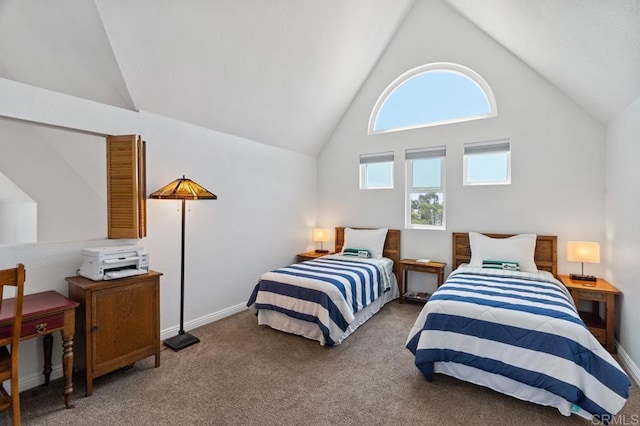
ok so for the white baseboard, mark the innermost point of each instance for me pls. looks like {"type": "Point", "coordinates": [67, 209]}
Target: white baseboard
{"type": "Point", "coordinates": [199, 322]}
{"type": "Point", "coordinates": [628, 363]}
{"type": "Point", "coordinates": [37, 379]}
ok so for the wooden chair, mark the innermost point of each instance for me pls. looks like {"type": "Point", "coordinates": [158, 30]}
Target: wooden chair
{"type": "Point", "coordinates": [9, 359]}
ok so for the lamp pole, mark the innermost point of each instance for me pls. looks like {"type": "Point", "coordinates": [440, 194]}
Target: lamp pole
{"type": "Point", "coordinates": [182, 189]}
{"type": "Point", "coordinates": [182, 271]}
{"type": "Point", "coordinates": [183, 339]}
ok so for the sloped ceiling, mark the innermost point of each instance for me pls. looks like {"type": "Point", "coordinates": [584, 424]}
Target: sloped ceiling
{"type": "Point", "coordinates": [283, 72]}
{"type": "Point", "coordinates": [62, 46]}
{"type": "Point", "coordinates": [589, 49]}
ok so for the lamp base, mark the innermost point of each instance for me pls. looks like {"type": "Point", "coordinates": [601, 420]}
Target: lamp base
{"type": "Point", "coordinates": [181, 341]}
{"type": "Point", "coordinates": [580, 277]}
{"type": "Point", "coordinates": [322, 251]}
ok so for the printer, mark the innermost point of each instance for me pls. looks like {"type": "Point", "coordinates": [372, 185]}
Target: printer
{"type": "Point", "coordinates": [108, 263]}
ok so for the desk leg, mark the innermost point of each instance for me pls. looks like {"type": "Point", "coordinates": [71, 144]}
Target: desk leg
{"type": "Point", "coordinates": [67, 355]}
{"type": "Point", "coordinates": [610, 318]}
{"type": "Point", "coordinates": [403, 283]}
{"type": "Point", "coordinates": [47, 344]}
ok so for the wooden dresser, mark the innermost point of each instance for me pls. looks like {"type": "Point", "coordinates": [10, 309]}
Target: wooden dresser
{"type": "Point", "coordinates": [117, 322]}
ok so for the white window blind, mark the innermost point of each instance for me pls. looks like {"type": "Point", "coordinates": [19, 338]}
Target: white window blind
{"type": "Point", "coordinates": [487, 147]}
{"type": "Point", "coordinates": [413, 154]}
{"type": "Point", "coordinates": [384, 157]}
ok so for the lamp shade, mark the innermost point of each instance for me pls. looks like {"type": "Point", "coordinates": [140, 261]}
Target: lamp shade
{"type": "Point", "coordinates": [320, 234]}
{"type": "Point", "coordinates": [183, 189]}
{"type": "Point", "coordinates": [583, 251]}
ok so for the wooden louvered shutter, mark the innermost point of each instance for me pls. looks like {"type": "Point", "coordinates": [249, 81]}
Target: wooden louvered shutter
{"type": "Point", "coordinates": [142, 188]}
{"type": "Point", "coordinates": [126, 187]}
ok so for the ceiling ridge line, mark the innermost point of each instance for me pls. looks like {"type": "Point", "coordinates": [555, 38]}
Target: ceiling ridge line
{"type": "Point", "coordinates": [115, 57]}
{"type": "Point", "coordinates": [355, 96]}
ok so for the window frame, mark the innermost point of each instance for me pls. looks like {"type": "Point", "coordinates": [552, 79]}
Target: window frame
{"type": "Point", "coordinates": [379, 158]}
{"type": "Point", "coordinates": [478, 148]}
{"type": "Point", "coordinates": [417, 154]}
{"type": "Point", "coordinates": [429, 68]}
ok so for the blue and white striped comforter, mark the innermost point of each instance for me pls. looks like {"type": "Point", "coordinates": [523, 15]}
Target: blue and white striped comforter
{"type": "Point", "coordinates": [519, 334]}
{"type": "Point", "coordinates": [327, 291]}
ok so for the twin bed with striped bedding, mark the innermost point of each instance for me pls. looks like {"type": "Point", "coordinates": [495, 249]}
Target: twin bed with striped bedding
{"type": "Point", "coordinates": [516, 332]}
{"type": "Point", "coordinates": [520, 334]}
{"type": "Point", "coordinates": [324, 299]}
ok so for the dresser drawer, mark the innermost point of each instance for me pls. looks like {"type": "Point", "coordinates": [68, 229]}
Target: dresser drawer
{"type": "Point", "coordinates": [33, 327]}
{"type": "Point", "coordinates": [591, 295]}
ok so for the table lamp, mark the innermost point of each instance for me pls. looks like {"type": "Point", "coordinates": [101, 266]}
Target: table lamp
{"type": "Point", "coordinates": [322, 235]}
{"type": "Point", "coordinates": [583, 251]}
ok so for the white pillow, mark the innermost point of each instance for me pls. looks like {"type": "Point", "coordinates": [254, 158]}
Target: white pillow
{"type": "Point", "coordinates": [519, 248]}
{"type": "Point", "coordinates": [368, 239]}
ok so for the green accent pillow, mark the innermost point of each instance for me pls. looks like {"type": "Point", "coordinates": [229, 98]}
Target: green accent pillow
{"type": "Point", "coordinates": [500, 264]}
{"type": "Point", "coordinates": [357, 252]}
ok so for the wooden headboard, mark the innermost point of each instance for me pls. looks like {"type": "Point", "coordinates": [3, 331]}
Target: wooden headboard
{"type": "Point", "coordinates": [391, 247]}
{"type": "Point", "coordinates": [545, 257]}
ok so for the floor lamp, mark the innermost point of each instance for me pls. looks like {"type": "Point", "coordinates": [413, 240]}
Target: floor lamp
{"type": "Point", "coordinates": [182, 189]}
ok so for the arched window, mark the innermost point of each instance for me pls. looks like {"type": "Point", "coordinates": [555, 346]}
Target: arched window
{"type": "Point", "coordinates": [430, 95]}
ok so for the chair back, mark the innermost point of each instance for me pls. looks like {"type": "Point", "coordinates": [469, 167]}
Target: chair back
{"type": "Point", "coordinates": [14, 277]}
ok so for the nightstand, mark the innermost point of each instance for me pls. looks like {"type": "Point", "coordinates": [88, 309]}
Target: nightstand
{"type": "Point", "coordinates": [603, 292]}
{"type": "Point", "coordinates": [310, 255]}
{"type": "Point", "coordinates": [436, 268]}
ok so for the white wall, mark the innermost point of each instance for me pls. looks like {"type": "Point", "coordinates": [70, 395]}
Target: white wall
{"type": "Point", "coordinates": [18, 222]}
{"type": "Point", "coordinates": [18, 213]}
{"type": "Point", "coordinates": [58, 168]}
{"type": "Point", "coordinates": [622, 227]}
{"type": "Point", "coordinates": [557, 149]}
{"type": "Point", "coordinates": [264, 214]}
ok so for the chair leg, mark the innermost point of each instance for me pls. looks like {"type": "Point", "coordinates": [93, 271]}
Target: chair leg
{"type": "Point", "coordinates": [15, 401]}
{"type": "Point", "coordinates": [16, 412]}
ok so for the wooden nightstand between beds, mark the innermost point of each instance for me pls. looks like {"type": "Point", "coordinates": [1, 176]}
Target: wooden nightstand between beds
{"type": "Point", "coordinates": [431, 267]}
{"type": "Point", "coordinates": [602, 292]}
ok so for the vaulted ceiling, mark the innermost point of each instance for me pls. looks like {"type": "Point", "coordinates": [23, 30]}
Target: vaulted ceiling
{"type": "Point", "coordinates": [590, 49]}
{"type": "Point", "coordinates": [283, 72]}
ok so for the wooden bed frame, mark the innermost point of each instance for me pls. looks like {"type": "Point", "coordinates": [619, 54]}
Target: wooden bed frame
{"type": "Point", "coordinates": [545, 257]}
{"type": "Point", "coordinates": [391, 247]}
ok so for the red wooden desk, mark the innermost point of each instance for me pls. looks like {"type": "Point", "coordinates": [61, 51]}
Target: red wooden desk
{"type": "Point", "coordinates": [43, 314]}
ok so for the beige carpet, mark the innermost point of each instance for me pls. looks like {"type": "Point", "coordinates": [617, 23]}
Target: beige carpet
{"type": "Point", "coordinates": [245, 374]}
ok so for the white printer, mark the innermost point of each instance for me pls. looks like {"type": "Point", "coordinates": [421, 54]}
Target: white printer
{"type": "Point", "coordinates": [108, 263]}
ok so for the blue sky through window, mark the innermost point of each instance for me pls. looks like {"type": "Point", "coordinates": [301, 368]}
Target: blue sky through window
{"type": "Point", "coordinates": [431, 97]}
{"type": "Point", "coordinates": [427, 173]}
{"type": "Point", "coordinates": [487, 167]}
{"type": "Point", "coordinates": [379, 175]}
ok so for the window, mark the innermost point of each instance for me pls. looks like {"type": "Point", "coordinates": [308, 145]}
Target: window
{"type": "Point", "coordinates": [376, 171]}
{"type": "Point", "coordinates": [432, 94]}
{"type": "Point", "coordinates": [487, 163]}
{"type": "Point", "coordinates": [425, 208]}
